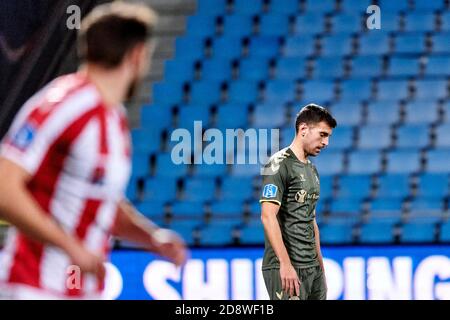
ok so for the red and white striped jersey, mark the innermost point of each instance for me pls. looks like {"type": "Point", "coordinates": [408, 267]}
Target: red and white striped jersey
{"type": "Point", "coordinates": [77, 152]}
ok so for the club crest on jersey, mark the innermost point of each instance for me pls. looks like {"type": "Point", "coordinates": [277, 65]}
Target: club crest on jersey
{"type": "Point", "coordinates": [270, 191]}
{"type": "Point", "coordinates": [24, 136]}
{"type": "Point", "coordinates": [98, 176]}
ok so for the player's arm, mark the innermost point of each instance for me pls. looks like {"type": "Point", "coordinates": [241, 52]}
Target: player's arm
{"type": "Point", "coordinates": [133, 226]}
{"type": "Point", "coordinates": [289, 278]}
{"type": "Point", "coordinates": [319, 251]}
{"type": "Point", "coordinates": [19, 208]}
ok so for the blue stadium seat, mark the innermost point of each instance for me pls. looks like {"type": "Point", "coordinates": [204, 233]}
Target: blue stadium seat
{"type": "Point", "coordinates": [188, 114]}
{"type": "Point", "coordinates": [309, 23]}
{"type": "Point", "coordinates": [285, 6]}
{"type": "Point", "coordinates": [188, 209]}
{"type": "Point", "coordinates": [445, 21]}
{"type": "Point", "coordinates": [413, 136]}
{"type": "Point", "coordinates": [346, 23]}
{"type": "Point", "coordinates": [213, 170]}
{"type": "Point", "coordinates": [156, 117]}
{"type": "Point", "coordinates": [440, 42]}
{"type": "Point", "coordinates": [165, 93]}
{"type": "Point", "coordinates": [336, 45]}
{"type": "Point", "coordinates": [140, 164]}
{"type": "Point", "coordinates": [383, 112]}
{"type": "Point", "coordinates": [264, 46]}
{"type": "Point", "coordinates": [189, 47]}
{"type": "Point", "coordinates": [146, 140]}
{"type": "Point", "coordinates": [243, 91]}
{"type": "Point", "coordinates": [403, 66]}
{"type": "Point", "coordinates": [205, 92]}
{"type": "Point", "coordinates": [328, 67]}
{"type": "Point", "coordinates": [426, 205]}
{"type": "Point", "coordinates": [151, 209]}
{"type": "Point", "coordinates": [179, 70]}
{"type": "Point", "coordinates": [403, 161]}
{"type": "Point", "coordinates": [237, 25]}
{"type": "Point", "coordinates": [254, 69]}
{"type": "Point", "coordinates": [354, 6]}
{"type": "Point", "coordinates": [393, 6]}
{"type": "Point", "coordinates": [444, 235]}
{"type": "Point", "coordinates": [429, 185]}
{"type": "Point", "coordinates": [366, 66]}
{"type": "Point", "coordinates": [342, 137]}
{"type": "Point", "coordinates": [227, 47]}
{"type": "Point", "coordinates": [421, 112]}
{"type": "Point", "coordinates": [410, 43]}
{"type": "Point", "coordinates": [247, 7]}
{"type": "Point", "coordinates": [268, 115]}
{"type": "Point", "coordinates": [160, 189]}
{"type": "Point", "coordinates": [354, 186]}
{"type": "Point", "coordinates": [322, 6]}
{"type": "Point", "coordinates": [330, 162]}
{"type": "Point", "coordinates": [318, 90]}
{"type": "Point", "coordinates": [446, 108]}
{"type": "Point", "coordinates": [274, 25]}
{"type": "Point", "coordinates": [364, 162]}
{"type": "Point", "coordinates": [431, 89]}
{"type": "Point", "coordinates": [208, 7]}
{"type": "Point", "coordinates": [199, 189]}
{"type": "Point", "coordinates": [326, 187]}
{"type": "Point", "coordinates": [165, 167]}
{"type": "Point", "coordinates": [356, 89]}
{"type": "Point", "coordinates": [201, 25]}
{"type": "Point", "coordinates": [236, 189]}
{"type": "Point", "coordinates": [217, 69]}
{"type": "Point", "coordinates": [252, 233]}
{"type": "Point", "coordinates": [216, 235]}
{"type": "Point", "coordinates": [417, 232]}
{"type": "Point", "coordinates": [227, 209]}
{"type": "Point", "coordinates": [438, 65]}
{"type": "Point", "coordinates": [291, 68]}
{"type": "Point", "coordinates": [245, 170]}
{"type": "Point", "coordinates": [393, 186]}
{"type": "Point", "coordinates": [279, 91]}
{"type": "Point", "coordinates": [425, 5]}
{"type": "Point", "coordinates": [232, 115]}
{"type": "Point", "coordinates": [299, 46]}
{"type": "Point", "coordinates": [390, 22]}
{"type": "Point", "coordinates": [437, 161]}
{"type": "Point", "coordinates": [377, 232]}
{"type": "Point", "coordinates": [339, 233]}
{"type": "Point", "coordinates": [443, 135]}
{"type": "Point", "coordinates": [392, 89]}
{"type": "Point", "coordinates": [419, 21]}
{"type": "Point", "coordinates": [347, 113]}
{"type": "Point", "coordinates": [381, 205]}
{"type": "Point", "coordinates": [374, 43]}
{"type": "Point", "coordinates": [367, 134]}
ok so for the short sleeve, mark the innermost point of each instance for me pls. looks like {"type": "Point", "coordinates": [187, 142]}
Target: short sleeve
{"type": "Point", "coordinates": [274, 181]}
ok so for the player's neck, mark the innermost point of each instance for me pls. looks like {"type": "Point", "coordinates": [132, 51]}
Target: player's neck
{"type": "Point", "coordinates": [110, 84]}
{"type": "Point", "coordinates": [297, 149]}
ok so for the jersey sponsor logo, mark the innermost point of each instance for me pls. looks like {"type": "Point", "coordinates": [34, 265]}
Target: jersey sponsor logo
{"type": "Point", "coordinates": [302, 177]}
{"type": "Point", "coordinates": [270, 191]}
{"type": "Point", "coordinates": [24, 136]}
{"type": "Point", "coordinates": [301, 196]}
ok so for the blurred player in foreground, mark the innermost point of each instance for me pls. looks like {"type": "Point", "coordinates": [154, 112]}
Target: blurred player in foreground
{"type": "Point", "coordinates": [65, 164]}
{"type": "Point", "coordinates": [292, 264]}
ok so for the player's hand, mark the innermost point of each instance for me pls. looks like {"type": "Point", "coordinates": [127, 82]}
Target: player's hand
{"type": "Point", "coordinates": [171, 246]}
{"type": "Point", "coordinates": [290, 282]}
{"type": "Point", "coordinates": [87, 261]}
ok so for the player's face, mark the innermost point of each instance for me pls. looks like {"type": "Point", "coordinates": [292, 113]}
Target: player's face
{"type": "Point", "coordinates": [316, 138]}
{"type": "Point", "coordinates": [141, 67]}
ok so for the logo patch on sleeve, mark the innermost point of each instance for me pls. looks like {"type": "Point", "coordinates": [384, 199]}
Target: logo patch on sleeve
{"type": "Point", "coordinates": [24, 136]}
{"type": "Point", "coordinates": [270, 191]}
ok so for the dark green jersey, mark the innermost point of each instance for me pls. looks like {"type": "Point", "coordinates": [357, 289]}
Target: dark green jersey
{"type": "Point", "coordinates": [294, 186]}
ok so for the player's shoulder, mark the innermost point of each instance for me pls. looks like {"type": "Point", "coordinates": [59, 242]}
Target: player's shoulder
{"type": "Point", "coordinates": [278, 159]}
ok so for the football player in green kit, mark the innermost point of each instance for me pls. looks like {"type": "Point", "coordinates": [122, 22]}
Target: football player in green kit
{"type": "Point", "coordinates": [292, 264]}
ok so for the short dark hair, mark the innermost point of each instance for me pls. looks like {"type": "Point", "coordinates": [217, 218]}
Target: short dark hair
{"type": "Point", "coordinates": [111, 30]}
{"type": "Point", "coordinates": [313, 113]}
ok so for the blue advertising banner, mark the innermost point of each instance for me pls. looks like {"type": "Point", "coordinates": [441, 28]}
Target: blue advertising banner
{"type": "Point", "coordinates": [353, 273]}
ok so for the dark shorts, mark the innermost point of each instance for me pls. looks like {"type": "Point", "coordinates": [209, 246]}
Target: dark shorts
{"type": "Point", "coordinates": [312, 287]}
